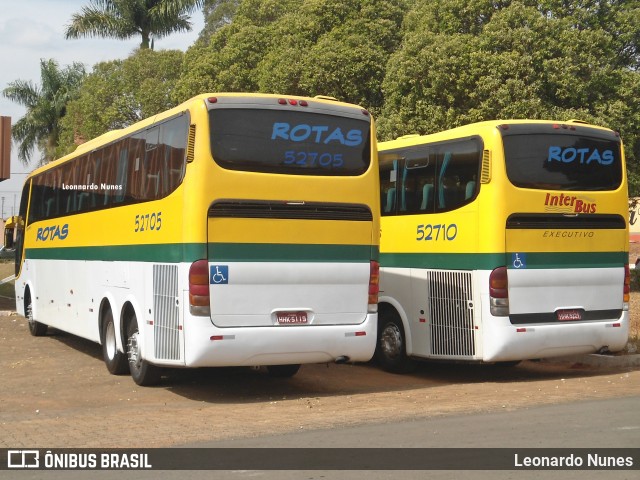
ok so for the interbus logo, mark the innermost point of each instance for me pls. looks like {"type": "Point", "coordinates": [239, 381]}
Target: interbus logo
{"type": "Point", "coordinates": [569, 204]}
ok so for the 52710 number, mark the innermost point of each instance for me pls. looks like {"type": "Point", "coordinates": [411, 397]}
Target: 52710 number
{"type": "Point", "coordinates": [148, 221]}
{"type": "Point", "coordinates": [437, 232]}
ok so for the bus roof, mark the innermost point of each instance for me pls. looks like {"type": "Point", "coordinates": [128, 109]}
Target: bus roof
{"type": "Point", "coordinates": [193, 102]}
{"type": "Point", "coordinates": [474, 128]}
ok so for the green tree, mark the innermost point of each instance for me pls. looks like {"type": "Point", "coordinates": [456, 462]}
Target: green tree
{"type": "Point", "coordinates": [314, 47]}
{"type": "Point", "coordinates": [119, 93]}
{"type": "Point", "coordinates": [520, 59]}
{"type": "Point", "coordinates": [123, 19]}
{"type": "Point", "coordinates": [46, 107]}
{"type": "Point", "coordinates": [217, 14]}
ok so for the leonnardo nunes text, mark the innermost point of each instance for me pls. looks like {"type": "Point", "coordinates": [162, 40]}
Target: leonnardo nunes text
{"type": "Point", "coordinates": [92, 186]}
{"type": "Point", "coordinates": [573, 461]}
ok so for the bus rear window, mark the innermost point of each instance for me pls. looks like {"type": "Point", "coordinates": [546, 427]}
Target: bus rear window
{"type": "Point", "coordinates": [563, 161]}
{"type": "Point", "coordinates": [291, 142]}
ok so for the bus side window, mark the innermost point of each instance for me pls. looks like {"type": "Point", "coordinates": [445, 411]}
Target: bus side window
{"type": "Point", "coordinates": [417, 183]}
{"type": "Point", "coordinates": [427, 197]}
{"type": "Point", "coordinates": [173, 136]}
{"type": "Point", "coordinates": [152, 176]}
{"type": "Point", "coordinates": [388, 190]}
{"type": "Point", "coordinates": [458, 168]}
{"type": "Point", "coordinates": [136, 156]}
{"type": "Point", "coordinates": [121, 155]}
{"type": "Point", "coordinates": [470, 189]}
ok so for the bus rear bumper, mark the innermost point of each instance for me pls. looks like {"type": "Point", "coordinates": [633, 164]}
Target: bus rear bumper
{"type": "Point", "coordinates": [506, 342]}
{"type": "Point", "coordinates": [209, 346]}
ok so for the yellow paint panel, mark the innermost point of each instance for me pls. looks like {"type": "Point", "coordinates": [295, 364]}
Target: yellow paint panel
{"type": "Point", "coordinates": [269, 230]}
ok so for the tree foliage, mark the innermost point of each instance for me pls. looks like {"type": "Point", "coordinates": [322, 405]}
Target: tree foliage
{"type": "Point", "coordinates": [423, 65]}
{"type": "Point", "coordinates": [46, 106]}
{"type": "Point", "coordinates": [119, 93]}
{"type": "Point", "coordinates": [312, 47]}
{"type": "Point", "coordinates": [217, 14]}
{"type": "Point", "coordinates": [462, 62]}
{"type": "Point", "coordinates": [123, 19]}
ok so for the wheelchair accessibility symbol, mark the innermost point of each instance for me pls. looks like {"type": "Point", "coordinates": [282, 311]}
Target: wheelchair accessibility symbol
{"type": "Point", "coordinates": [519, 260]}
{"type": "Point", "coordinates": [219, 274]}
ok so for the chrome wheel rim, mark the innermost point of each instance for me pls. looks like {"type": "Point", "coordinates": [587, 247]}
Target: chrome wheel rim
{"type": "Point", "coordinates": [391, 341]}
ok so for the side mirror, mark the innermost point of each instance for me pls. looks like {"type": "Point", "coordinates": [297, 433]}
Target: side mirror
{"type": "Point", "coordinates": [8, 238]}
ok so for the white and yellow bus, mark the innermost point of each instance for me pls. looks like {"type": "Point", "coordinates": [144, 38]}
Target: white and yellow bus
{"type": "Point", "coordinates": [503, 241]}
{"type": "Point", "coordinates": [234, 229]}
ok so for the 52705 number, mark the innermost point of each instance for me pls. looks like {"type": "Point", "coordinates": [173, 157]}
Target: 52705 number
{"type": "Point", "coordinates": [437, 232]}
{"type": "Point", "coordinates": [148, 221]}
{"type": "Point", "coordinates": [313, 159]}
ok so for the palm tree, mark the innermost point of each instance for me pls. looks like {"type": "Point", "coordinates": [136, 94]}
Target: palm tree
{"type": "Point", "coordinates": [123, 19]}
{"type": "Point", "coordinates": [46, 105]}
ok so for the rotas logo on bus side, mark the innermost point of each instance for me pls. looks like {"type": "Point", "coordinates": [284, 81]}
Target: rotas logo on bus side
{"type": "Point", "coordinates": [53, 232]}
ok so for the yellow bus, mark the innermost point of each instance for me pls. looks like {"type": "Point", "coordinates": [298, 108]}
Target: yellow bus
{"type": "Point", "coordinates": [234, 229]}
{"type": "Point", "coordinates": [503, 241]}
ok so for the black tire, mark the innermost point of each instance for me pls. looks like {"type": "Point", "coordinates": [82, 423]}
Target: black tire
{"type": "Point", "coordinates": [282, 371]}
{"type": "Point", "coordinates": [391, 349]}
{"type": "Point", "coordinates": [36, 328]}
{"type": "Point", "coordinates": [142, 372]}
{"type": "Point", "coordinates": [115, 360]}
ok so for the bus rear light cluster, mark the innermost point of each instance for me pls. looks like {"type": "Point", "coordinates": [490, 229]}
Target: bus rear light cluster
{"type": "Point", "coordinates": [374, 286]}
{"type": "Point", "coordinates": [499, 292]}
{"type": "Point", "coordinates": [199, 288]}
{"type": "Point", "coordinates": [293, 102]}
{"type": "Point", "coordinates": [626, 292]}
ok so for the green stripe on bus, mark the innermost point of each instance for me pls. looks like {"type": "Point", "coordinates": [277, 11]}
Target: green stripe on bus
{"type": "Point", "coordinates": [489, 261]}
{"type": "Point", "coordinates": [165, 253]}
{"type": "Point", "coordinates": [190, 252]}
{"type": "Point", "coordinates": [540, 260]}
{"type": "Point", "coordinates": [277, 252]}
{"type": "Point", "coordinates": [445, 261]}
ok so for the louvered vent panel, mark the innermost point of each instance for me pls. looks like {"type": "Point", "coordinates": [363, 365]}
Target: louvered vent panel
{"type": "Point", "coordinates": [485, 175]}
{"type": "Point", "coordinates": [451, 313]}
{"type": "Point", "coordinates": [165, 308]}
{"type": "Point", "coordinates": [191, 143]}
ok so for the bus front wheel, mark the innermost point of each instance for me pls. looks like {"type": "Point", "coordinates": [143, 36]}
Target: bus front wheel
{"type": "Point", "coordinates": [116, 361]}
{"type": "Point", "coordinates": [142, 372]}
{"type": "Point", "coordinates": [391, 351]}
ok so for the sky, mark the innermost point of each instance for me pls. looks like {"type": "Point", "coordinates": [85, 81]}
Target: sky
{"type": "Point", "coordinates": [31, 30]}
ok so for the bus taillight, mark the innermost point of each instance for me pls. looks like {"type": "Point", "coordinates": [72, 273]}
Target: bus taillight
{"type": "Point", "coordinates": [627, 288]}
{"type": "Point", "coordinates": [374, 286]}
{"type": "Point", "coordinates": [499, 292]}
{"type": "Point", "coordinates": [199, 288]}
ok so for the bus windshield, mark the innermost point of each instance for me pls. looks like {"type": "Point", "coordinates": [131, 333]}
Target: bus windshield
{"type": "Point", "coordinates": [290, 142]}
{"type": "Point", "coordinates": [563, 161]}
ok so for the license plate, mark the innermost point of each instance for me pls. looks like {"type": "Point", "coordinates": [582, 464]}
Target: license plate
{"type": "Point", "coordinates": [569, 315]}
{"type": "Point", "coordinates": [292, 318]}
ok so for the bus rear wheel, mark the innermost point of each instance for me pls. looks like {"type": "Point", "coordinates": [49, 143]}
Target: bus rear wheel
{"type": "Point", "coordinates": [116, 361]}
{"type": "Point", "coordinates": [142, 372]}
{"type": "Point", "coordinates": [36, 328]}
{"type": "Point", "coordinates": [391, 351]}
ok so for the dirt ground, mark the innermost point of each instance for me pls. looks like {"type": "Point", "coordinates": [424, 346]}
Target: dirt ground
{"type": "Point", "coordinates": [56, 392]}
